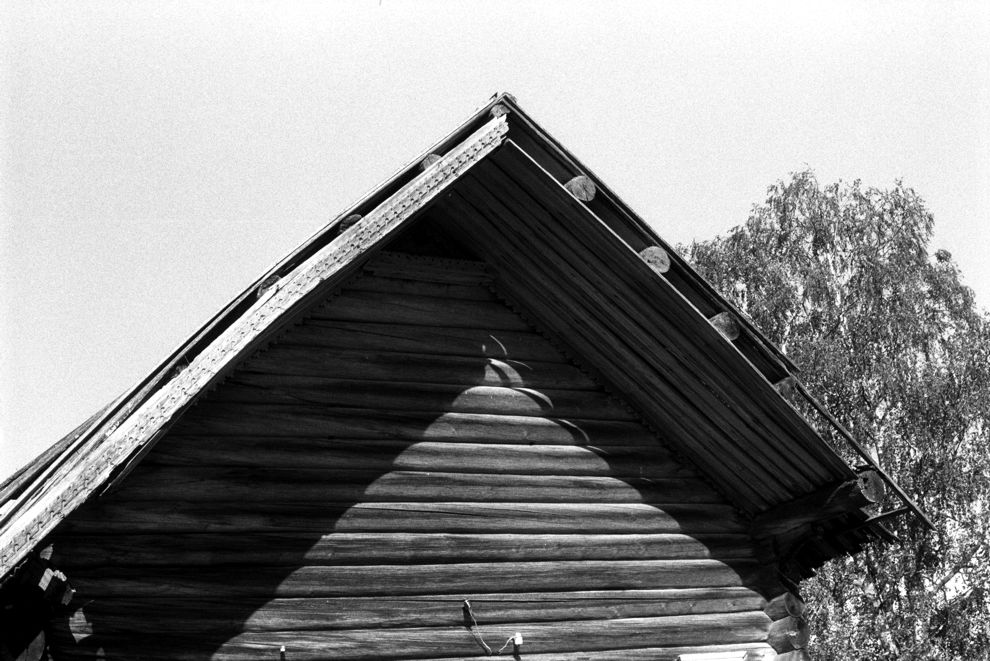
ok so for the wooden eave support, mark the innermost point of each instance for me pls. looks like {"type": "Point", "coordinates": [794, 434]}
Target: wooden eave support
{"type": "Point", "coordinates": [826, 503]}
{"type": "Point", "coordinates": [865, 454]}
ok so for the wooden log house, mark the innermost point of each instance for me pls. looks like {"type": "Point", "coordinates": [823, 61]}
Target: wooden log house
{"type": "Point", "coordinates": [486, 411]}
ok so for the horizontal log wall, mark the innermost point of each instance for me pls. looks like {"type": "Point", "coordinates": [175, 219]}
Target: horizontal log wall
{"type": "Point", "coordinates": [412, 444]}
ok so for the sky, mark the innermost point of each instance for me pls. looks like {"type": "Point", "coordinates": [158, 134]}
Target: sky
{"type": "Point", "coordinates": [158, 157]}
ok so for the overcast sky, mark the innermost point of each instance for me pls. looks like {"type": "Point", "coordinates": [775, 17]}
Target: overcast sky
{"type": "Point", "coordinates": [157, 157]}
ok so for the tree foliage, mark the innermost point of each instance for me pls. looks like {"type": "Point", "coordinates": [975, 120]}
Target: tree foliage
{"type": "Point", "coordinates": [841, 277]}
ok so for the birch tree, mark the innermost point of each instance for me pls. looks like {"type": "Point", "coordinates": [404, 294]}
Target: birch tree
{"type": "Point", "coordinates": [844, 279]}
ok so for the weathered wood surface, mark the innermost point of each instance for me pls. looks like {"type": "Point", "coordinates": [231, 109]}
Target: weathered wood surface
{"type": "Point", "coordinates": [412, 444]}
{"type": "Point", "coordinates": [696, 415]}
{"type": "Point", "coordinates": [422, 310]}
{"type": "Point", "coordinates": [685, 281]}
{"type": "Point", "coordinates": [832, 500]}
{"type": "Point", "coordinates": [456, 578]}
{"type": "Point", "coordinates": [457, 641]}
{"type": "Point", "coordinates": [504, 457]}
{"type": "Point", "coordinates": [726, 324]}
{"type": "Point", "coordinates": [419, 270]}
{"type": "Point", "coordinates": [454, 517]}
{"type": "Point", "coordinates": [424, 368]}
{"type": "Point", "coordinates": [243, 485]}
{"type": "Point", "coordinates": [429, 160]}
{"type": "Point", "coordinates": [779, 422]}
{"type": "Point", "coordinates": [302, 420]}
{"type": "Point", "coordinates": [788, 634]}
{"type": "Point", "coordinates": [754, 652]}
{"type": "Point", "coordinates": [448, 290]}
{"type": "Point", "coordinates": [436, 341]}
{"type": "Point", "coordinates": [657, 258]}
{"type": "Point", "coordinates": [784, 605]}
{"type": "Point", "coordinates": [347, 222]}
{"type": "Point", "coordinates": [253, 388]}
{"type": "Point", "coordinates": [419, 642]}
{"type": "Point", "coordinates": [296, 549]}
{"type": "Point", "coordinates": [176, 614]}
{"type": "Point", "coordinates": [581, 187]}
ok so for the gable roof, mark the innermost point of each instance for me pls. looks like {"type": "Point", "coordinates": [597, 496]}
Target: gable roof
{"type": "Point", "coordinates": [567, 249]}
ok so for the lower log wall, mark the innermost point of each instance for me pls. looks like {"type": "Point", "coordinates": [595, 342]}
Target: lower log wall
{"type": "Point", "coordinates": [411, 445]}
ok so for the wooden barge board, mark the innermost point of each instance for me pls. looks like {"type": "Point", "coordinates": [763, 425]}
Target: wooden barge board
{"type": "Point", "coordinates": [51, 500]}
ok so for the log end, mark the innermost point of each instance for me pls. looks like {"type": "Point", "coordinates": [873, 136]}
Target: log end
{"type": "Point", "coordinates": [498, 110]}
{"type": "Point", "coordinates": [726, 324]}
{"type": "Point", "coordinates": [788, 634]}
{"type": "Point", "coordinates": [267, 284]}
{"type": "Point", "coordinates": [657, 258]}
{"type": "Point", "coordinates": [784, 605]}
{"type": "Point", "coordinates": [872, 485]}
{"type": "Point", "coordinates": [347, 222]}
{"type": "Point", "coordinates": [786, 386]}
{"type": "Point", "coordinates": [581, 187]}
{"type": "Point", "coordinates": [429, 160]}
